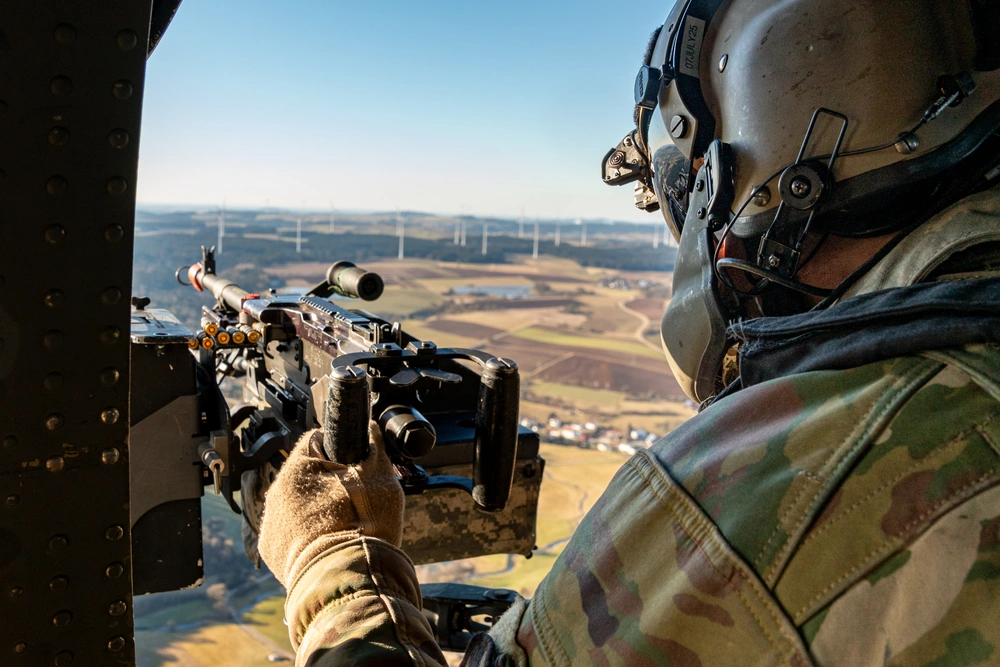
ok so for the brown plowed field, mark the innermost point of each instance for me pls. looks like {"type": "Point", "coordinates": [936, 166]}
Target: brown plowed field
{"type": "Point", "coordinates": [467, 329]}
{"type": "Point", "coordinates": [651, 308]}
{"type": "Point", "coordinates": [616, 371]}
{"type": "Point", "coordinates": [592, 372]}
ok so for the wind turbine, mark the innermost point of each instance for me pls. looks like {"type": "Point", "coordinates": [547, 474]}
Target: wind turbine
{"type": "Point", "coordinates": [401, 230]}
{"type": "Point", "coordinates": [222, 227]}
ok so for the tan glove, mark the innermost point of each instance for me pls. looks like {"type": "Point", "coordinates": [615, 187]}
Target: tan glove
{"type": "Point", "coordinates": [313, 498]}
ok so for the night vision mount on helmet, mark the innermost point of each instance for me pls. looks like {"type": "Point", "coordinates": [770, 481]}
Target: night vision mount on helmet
{"type": "Point", "coordinates": [762, 127]}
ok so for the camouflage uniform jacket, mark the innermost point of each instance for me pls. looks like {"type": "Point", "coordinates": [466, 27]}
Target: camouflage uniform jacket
{"type": "Point", "coordinates": [842, 512]}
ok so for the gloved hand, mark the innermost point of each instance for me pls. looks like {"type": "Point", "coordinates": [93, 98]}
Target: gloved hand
{"type": "Point", "coordinates": [314, 504]}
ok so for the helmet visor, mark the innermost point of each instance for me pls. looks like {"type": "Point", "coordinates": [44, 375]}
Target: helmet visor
{"type": "Point", "coordinates": [671, 175]}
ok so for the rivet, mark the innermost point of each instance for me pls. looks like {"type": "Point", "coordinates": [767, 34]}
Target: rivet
{"type": "Point", "coordinates": [678, 126]}
{"type": "Point", "coordinates": [53, 339]}
{"type": "Point", "coordinates": [763, 196]}
{"type": "Point", "coordinates": [16, 592]}
{"type": "Point", "coordinates": [63, 659]}
{"type": "Point", "coordinates": [111, 296]}
{"type": "Point", "coordinates": [122, 89]}
{"type": "Point", "coordinates": [58, 135]}
{"type": "Point", "coordinates": [9, 441]}
{"type": "Point", "coordinates": [62, 618]}
{"type": "Point", "coordinates": [110, 415]}
{"type": "Point", "coordinates": [56, 186]}
{"type": "Point", "coordinates": [61, 85]}
{"type": "Point", "coordinates": [12, 500]}
{"type": "Point", "coordinates": [109, 377]}
{"type": "Point", "coordinates": [116, 644]}
{"type": "Point", "coordinates": [55, 234]}
{"type": "Point", "coordinates": [699, 185]}
{"type": "Point", "coordinates": [110, 456]}
{"type": "Point", "coordinates": [117, 608]}
{"type": "Point", "coordinates": [58, 543]}
{"type": "Point", "coordinates": [59, 584]}
{"type": "Point", "coordinates": [113, 233]}
{"type": "Point", "coordinates": [114, 533]}
{"type": "Point", "coordinates": [774, 261]}
{"type": "Point", "coordinates": [54, 297]}
{"type": "Point", "coordinates": [53, 381]}
{"type": "Point", "coordinates": [53, 421]}
{"type": "Point", "coordinates": [701, 212]}
{"type": "Point", "coordinates": [126, 40]}
{"type": "Point", "coordinates": [64, 34]}
{"type": "Point", "coordinates": [117, 186]}
{"type": "Point", "coordinates": [110, 335]}
{"type": "Point", "coordinates": [20, 648]}
{"type": "Point", "coordinates": [55, 463]}
{"type": "Point", "coordinates": [723, 61]}
{"type": "Point", "coordinates": [118, 138]}
{"type": "Point", "coordinates": [114, 571]}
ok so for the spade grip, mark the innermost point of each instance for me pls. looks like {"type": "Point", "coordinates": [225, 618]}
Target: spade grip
{"type": "Point", "coordinates": [347, 412]}
{"type": "Point", "coordinates": [495, 448]}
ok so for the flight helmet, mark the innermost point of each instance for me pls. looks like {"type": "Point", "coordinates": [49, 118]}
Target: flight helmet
{"type": "Point", "coordinates": [764, 125]}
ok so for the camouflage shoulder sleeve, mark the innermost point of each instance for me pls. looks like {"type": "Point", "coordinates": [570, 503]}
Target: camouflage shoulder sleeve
{"type": "Point", "coordinates": [902, 567]}
{"type": "Point", "coordinates": [933, 603]}
{"type": "Point", "coordinates": [734, 540]}
{"type": "Point", "coordinates": [647, 579]}
{"type": "Point", "coordinates": [358, 603]}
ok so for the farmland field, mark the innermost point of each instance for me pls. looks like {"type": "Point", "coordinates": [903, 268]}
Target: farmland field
{"type": "Point", "coordinates": [540, 335]}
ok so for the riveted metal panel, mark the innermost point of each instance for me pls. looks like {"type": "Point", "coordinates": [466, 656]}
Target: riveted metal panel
{"type": "Point", "coordinates": [71, 79]}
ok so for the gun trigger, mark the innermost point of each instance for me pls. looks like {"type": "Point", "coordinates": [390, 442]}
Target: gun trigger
{"type": "Point", "coordinates": [440, 376]}
{"type": "Point", "coordinates": [404, 378]}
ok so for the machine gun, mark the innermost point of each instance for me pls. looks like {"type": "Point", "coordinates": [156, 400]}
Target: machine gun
{"type": "Point", "coordinates": [448, 418]}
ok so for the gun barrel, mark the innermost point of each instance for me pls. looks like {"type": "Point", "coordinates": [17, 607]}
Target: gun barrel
{"type": "Point", "coordinates": [225, 291]}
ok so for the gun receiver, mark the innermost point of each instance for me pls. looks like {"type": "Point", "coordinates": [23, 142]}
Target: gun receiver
{"type": "Point", "coordinates": [448, 416]}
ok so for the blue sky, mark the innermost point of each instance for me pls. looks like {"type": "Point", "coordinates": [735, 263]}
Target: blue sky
{"type": "Point", "coordinates": [438, 106]}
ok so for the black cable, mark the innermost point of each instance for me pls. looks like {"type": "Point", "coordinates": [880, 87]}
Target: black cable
{"type": "Point", "coordinates": [769, 276]}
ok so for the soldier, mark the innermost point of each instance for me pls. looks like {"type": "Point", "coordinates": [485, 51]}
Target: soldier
{"type": "Point", "coordinates": [829, 169]}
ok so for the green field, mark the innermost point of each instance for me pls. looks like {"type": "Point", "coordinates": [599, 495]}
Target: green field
{"type": "Point", "coordinates": [594, 397]}
{"type": "Point", "coordinates": [420, 330]}
{"type": "Point", "coordinates": [397, 301]}
{"type": "Point", "coordinates": [539, 335]}
{"type": "Point", "coordinates": [267, 618]}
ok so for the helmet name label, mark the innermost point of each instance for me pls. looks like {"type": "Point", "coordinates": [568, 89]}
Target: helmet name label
{"type": "Point", "coordinates": [693, 35]}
